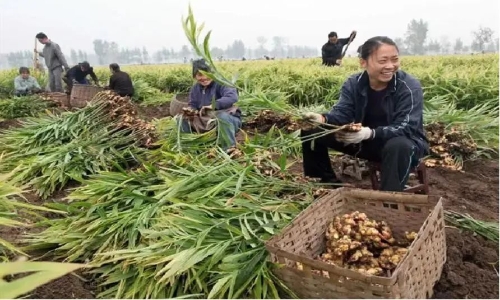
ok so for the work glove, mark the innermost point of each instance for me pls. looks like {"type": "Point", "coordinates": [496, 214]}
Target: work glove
{"type": "Point", "coordinates": [355, 137]}
{"type": "Point", "coordinates": [205, 109]}
{"type": "Point", "coordinates": [315, 117]}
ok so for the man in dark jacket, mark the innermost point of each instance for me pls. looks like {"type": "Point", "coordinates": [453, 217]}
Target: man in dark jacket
{"type": "Point", "coordinates": [331, 52]}
{"type": "Point", "coordinates": [78, 74]}
{"type": "Point", "coordinates": [392, 131]}
{"type": "Point", "coordinates": [200, 98]}
{"type": "Point", "coordinates": [120, 81]}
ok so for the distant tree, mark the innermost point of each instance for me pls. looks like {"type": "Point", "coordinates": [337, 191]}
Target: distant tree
{"type": "Point", "coordinates": [73, 56]}
{"type": "Point", "coordinates": [261, 51]}
{"type": "Point", "coordinates": [445, 45]}
{"type": "Point", "coordinates": [101, 50]}
{"type": "Point", "coordinates": [459, 46]}
{"type": "Point", "coordinates": [216, 52]}
{"type": "Point", "coordinates": [434, 47]}
{"type": "Point", "coordinates": [416, 34]}
{"type": "Point", "coordinates": [185, 52]}
{"type": "Point", "coordinates": [482, 37]}
{"type": "Point", "coordinates": [403, 50]}
{"type": "Point", "coordinates": [238, 49]}
{"type": "Point", "coordinates": [145, 54]}
{"type": "Point", "coordinates": [278, 46]}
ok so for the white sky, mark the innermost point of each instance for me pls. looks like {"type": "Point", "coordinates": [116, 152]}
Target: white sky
{"type": "Point", "coordinates": [157, 23]}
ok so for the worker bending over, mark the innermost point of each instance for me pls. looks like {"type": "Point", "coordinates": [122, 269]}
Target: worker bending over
{"type": "Point", "coordinates": [78, 74]}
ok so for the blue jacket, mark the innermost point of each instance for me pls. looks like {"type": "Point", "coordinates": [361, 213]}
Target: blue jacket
{"type": "Point", "coordinates": [225, 97]}
{"type": "Point", "coordinates": [404, 108]}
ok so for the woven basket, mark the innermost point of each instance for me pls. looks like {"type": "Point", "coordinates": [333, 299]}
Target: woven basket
{"type": "Point", "coordinates": [82, 93]}
{"type": "Point", "coordinates": [62, 98]}
{"type": "Point", "coordinates": [179, 101]}
{"type": "Point", "coordinates": [304, 239]}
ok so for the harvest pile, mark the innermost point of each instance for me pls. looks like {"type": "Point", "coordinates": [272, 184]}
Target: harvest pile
{"type": "Point", "coordinates": [357, 243]}
{"type": "Point", "coordinates": [448, 144]}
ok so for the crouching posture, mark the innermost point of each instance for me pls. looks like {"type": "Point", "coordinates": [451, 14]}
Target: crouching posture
{"type": "Point", "coordinates": [389, 104]}
{"type": "Point", "coordinates": [200, 99]}
{"type": "Point", "coordinates": [25, 84]}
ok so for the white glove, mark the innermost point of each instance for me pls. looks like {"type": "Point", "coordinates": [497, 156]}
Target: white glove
{"type": "Point", "coordinates": [355, 137]}
{"type": "Point", "coordinates": [314, 117]}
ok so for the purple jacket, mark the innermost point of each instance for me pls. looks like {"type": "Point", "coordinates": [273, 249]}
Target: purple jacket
{"type": "Point", "coordinates": [225, 97]}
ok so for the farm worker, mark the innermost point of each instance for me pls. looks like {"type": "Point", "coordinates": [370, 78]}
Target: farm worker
{"type": "Point", "coordinates": [200, 99]}
{"type": "Point", "coordinates": [120, 81]}
{"type": "Point", "coordinates": [78, 74]}
{"type": "Point", "coordinates": [25, 84]}
{"type": "Point", "coordinates": [54, 60]}
{"type": "Point", "coordinates": [331, 52]}
{"type": "Point", "coordinates": [388, 103]}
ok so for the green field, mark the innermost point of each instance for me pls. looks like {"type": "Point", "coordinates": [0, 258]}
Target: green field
{"type": "Point", "coordinates": [183, 219]}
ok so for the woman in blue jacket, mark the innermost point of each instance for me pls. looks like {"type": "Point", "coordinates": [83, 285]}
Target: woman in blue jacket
{"type": "Point", "coordinates": [388, 103]}
{"type": "Point", "coordinates": [200, 99]}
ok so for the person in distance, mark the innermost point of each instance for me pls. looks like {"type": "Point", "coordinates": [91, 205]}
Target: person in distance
{"type": "Point", "coordinates": [331, 52]}
{"type": "Point", "coordinates": [54, 60]}
{"type": "Point", "coordinates": [25, 84]}
{"type": "Point", "coordinates": [388, 102]}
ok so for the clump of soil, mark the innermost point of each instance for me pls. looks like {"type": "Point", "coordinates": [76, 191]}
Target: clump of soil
{"type": "Point", "coordinates": [67, 287]}
{"type": "Point", "coordinates": [266, 119]}
{"type": "Point", "coordinates": [149, 113]}
{"type": "Point", "coordinates": [469, 271]}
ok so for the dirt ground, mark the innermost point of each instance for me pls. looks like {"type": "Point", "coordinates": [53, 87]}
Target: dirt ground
{"type": "Point", "coordinates": [472, 262]}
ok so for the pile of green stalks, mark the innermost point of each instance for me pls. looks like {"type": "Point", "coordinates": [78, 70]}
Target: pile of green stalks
{"type": "Point", "coordinates": [189, 226]}
{"type": "Point", "coordinates": [52, 150]}
{"type": "Point", "coordinates": [20, 107]}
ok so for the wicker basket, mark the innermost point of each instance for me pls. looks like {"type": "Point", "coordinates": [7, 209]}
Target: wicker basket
{"type": "Point", "coordinates": [82, 93]}
{"type": "Point", "coordinates": [304, 239]}
{"type": "Point", "coordinates": [179, 101]}
{"type": "Point", "coordinates": [62, 98]}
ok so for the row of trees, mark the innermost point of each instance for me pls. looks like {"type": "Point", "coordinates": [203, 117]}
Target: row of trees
{"type": "Point", "coordinates": [416, 41]}
{"type": "Point", "coordinates": [107, 51]}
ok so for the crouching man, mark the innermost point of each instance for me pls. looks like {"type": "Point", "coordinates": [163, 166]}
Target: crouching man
{"type": "Point", "coordinates": [200, 99]}
{"type": "Point", "coordinates": [25, 84]}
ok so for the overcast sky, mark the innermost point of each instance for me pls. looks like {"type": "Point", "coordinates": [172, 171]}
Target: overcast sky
{"type": "Point", "coordinates": [157, 23]}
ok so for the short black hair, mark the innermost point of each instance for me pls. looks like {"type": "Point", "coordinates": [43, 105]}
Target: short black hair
{"type": "Point", "coordinates": [200, 65]}
{"type": "Point", "coordinates": [115, 67]}
{"type": "Point", "coordinates": [85, 64]}
{"type": "Point", "coordinates": [24, 70]}
{"type": "Point", "coordinates": [41, 35]}
{"type": "Point", "coordinates": [332, 34]}
{"type": "Point", "coordinates": [372, 45]}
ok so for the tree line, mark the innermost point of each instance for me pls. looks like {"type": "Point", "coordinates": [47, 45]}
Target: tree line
{"type": "Point", "coordinates": [415, 42]}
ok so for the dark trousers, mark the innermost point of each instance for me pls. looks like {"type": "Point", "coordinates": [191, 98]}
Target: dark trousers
{"type": "Point", "coordinates": [329, 61]}
{"type": "Point", "coordinates": [397, 156]}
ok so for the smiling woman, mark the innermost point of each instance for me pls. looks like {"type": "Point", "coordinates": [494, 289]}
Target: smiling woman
{"type": "Point", "coordinates": [388, 104]}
